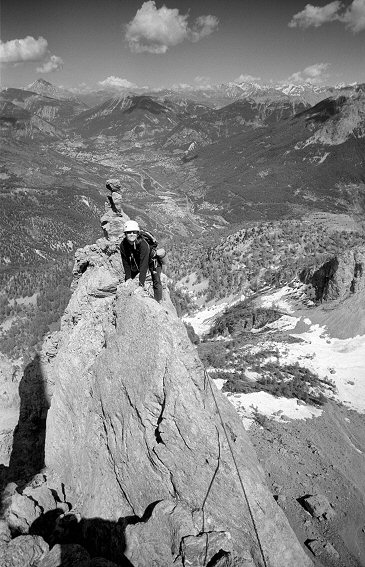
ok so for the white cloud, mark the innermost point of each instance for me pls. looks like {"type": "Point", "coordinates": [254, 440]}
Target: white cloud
{"type": "Point", "coordinates": [353, 17]}
{"type": "Point", "coordinates": [27, 49]}
{"type": "Point", "coordinates": [316, 16]}
{"type": "Point", "coordinates": [316, 70]}
{"type": "Point", "coordinates": [202, 27]}
{"type": "Point", "coordinates": [30, 49]}
{"type": "Point", "coordinates": [117, 82]}
{"type": "Point", "coordinates": [155, 30]}
{"type": "Point", "coordinates": [314, 75]}
{"type": "Point", "coordinates": [247, 79]}
{"type": "Point", "coordinates": [54, 63]}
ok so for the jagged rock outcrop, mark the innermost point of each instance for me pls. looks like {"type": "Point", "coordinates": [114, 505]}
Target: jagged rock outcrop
{"type": "Point", "coordinates": [152, 457]}
{"type": "Point", "coordinates": [114, 218]}
{"type": "Point", "coordinates": [339, 277]}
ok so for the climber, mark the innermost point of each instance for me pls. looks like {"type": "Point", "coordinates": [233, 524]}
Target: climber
{"type": "Point", "coordinates": [137, 258]}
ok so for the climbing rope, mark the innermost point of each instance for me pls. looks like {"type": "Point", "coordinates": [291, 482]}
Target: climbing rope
{"type": "Point", "coordinates": [207, 379]}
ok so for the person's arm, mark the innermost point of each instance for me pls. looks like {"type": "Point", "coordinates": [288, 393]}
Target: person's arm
{"type": "Point", "coordinates": [144, 257]}
{"type": "Point", "coordinates": [126, 266]}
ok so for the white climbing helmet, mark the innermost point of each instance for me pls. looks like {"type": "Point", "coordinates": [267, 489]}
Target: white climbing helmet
{"type": "Point", "coordinates": [130, 226]}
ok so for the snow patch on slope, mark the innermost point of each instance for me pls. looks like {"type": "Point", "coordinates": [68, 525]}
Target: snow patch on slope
{"type": "Point", "coordinates": [279, 409]}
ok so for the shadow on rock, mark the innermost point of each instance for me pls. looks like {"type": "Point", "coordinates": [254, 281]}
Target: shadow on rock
{"type": "Point", "coordinates": [27, 457]}
{"type": "Point", "coordinates": [69, 535]}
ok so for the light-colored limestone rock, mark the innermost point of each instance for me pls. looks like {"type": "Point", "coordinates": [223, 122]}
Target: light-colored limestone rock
{"type": "Point", "coordinates": [24, 551]}
{"type": "Point", "coordinates": [20, 512]}
{"type": "Point", "coordinates": [339, 277]}
{"type": "Point", "coordinates": [141, 438]}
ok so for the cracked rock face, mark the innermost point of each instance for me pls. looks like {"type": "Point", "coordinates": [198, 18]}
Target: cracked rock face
{"type": "Point", "coordinates": [146, 446]}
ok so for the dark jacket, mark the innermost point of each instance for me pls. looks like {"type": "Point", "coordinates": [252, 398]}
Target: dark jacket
{"type": "Point", "coordinates": [135, 258]}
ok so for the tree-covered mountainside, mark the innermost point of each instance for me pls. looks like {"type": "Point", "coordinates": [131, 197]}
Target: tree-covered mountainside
{"type": "Point", "coordinates": [31, 300]}
{"type": "Point", "coordinates": [259, 255]}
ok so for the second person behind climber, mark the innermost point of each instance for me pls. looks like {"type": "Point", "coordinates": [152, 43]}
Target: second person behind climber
{"type": "Point", "coordinates": [136, 258]}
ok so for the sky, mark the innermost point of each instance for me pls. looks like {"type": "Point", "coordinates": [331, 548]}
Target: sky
{"type": "Point", "coordinates": [93, 44]}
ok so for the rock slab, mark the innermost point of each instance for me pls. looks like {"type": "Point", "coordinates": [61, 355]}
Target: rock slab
{"type": "Point", "coordinates": [145, 444]}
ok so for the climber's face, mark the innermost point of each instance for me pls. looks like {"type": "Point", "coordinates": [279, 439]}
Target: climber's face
{"type": "Point", "coordinates": [132, 235]}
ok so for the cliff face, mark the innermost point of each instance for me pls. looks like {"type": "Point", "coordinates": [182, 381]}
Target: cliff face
{"type": "Point", "coordinates": [339, 277]}
{"type": "Point", "coordinates": [141, 439]}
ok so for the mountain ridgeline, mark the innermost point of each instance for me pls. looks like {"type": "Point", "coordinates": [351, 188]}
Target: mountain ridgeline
{"type": "Point", "coordinates": [190, 162]}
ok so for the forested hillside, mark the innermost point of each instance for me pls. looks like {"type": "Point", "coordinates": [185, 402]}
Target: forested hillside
{"type": "Point", "coordinates": [31, 300]}
{"type": "Point", "coordinates": [268, 253]}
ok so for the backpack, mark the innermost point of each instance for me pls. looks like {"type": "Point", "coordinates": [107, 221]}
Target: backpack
{"type": "Point", "coordinates": [151, 241]}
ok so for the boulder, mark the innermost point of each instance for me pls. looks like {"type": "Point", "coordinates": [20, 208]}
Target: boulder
{"type": "Point", "coordinates": [332, 551]}
{"type": "Point", "coordinates": [42, 496]}
{"type": "Point", "coordinates": [150, 453]}
{"type": "Point", "coordinates": [20, 512]}
{"type": "Point", "coordinates": [24, 551]}
{"type": "Point", "coordinates": [318, 506]}
{"type": "Point", "coordinates": [5, 533]}
{"type": "Point", "coordinates": [316, 547]}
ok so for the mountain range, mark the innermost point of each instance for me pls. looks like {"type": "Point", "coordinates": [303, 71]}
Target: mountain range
{"type": "Point", "coordinates": [249, 188]}
{"type": "Point", "coordinates": [268, 153]}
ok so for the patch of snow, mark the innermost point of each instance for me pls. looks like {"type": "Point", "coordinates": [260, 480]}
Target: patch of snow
{"type": "Point", "coordinates": [251, 375]}
{"type": "Point", "coordinates": [278, 409]}
{"type": "Point", "coordinates": [203, 320]}
{"type": "Point", "coordinates": [341, 360]}
{"type": "Point", "coordinates": [219, 382]}
{"type": "Point", "coordinates": [285, 323]}
{"type": "Point", "coordinates": [278, 298]}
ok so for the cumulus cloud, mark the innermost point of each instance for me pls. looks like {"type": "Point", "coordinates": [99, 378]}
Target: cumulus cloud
{"type": "Point", "coordinates": [353, 17]}
{"type": "Point", "coordinates": [27, 49]}
{"type": "Point", "coordinates": [117, 82]}
{"type": "Point", "coordinates": [155, 30]}
{"type": "Point", "coordinates": [316, 16]}
{"type": "Point", "coordinates": [314, 74]}
{"type": "Point", "coordinates": [246, 79]}
{"type": "Point", "coordinates": [54, 63]}
{"type": "Point", "coordinates": [30, 49]}
{"type": "Point", "coordinates": [202, 27]}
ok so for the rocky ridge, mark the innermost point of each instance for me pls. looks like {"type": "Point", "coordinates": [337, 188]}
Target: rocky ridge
{"type": "Point", "coordinates": [139, 446]}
